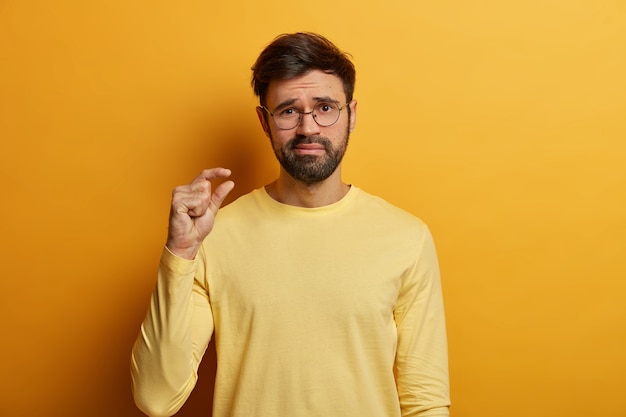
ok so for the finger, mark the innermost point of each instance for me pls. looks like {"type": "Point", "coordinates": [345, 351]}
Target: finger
{"type": "Point", "coordinates": [197, 206]}
{"type": "Point", "coordinates": [211, 174]}
{"type": "Point", "coordinates": [192, 204]}
{"type": "Point", "coordinates": [220, 193]}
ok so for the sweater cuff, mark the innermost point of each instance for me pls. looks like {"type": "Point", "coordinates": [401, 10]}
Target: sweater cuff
{"type": "Point", "coordinates": [174, 264]}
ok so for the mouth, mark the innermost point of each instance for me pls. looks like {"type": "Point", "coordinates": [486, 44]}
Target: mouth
{"type": "Point", "coordinates": [309, 149]}
{"type": "Point", "coordinates": [310, 146]}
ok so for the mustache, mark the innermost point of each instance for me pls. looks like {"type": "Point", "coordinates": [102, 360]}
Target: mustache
{"type": "Point", "coordinates": [301, 139]}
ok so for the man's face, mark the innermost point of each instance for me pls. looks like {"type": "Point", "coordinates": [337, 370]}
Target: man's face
{"type": "Point", "coordinates": [309, 153]}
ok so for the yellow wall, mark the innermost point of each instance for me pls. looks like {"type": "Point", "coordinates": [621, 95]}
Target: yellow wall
{"type": "Point", "coordinates": [500, 123]}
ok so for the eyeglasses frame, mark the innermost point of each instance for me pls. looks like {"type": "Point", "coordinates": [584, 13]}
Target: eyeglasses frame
{"type": "Point", "coordinates": [303, 113]}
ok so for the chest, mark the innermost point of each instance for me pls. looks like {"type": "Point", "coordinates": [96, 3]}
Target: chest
{"type": "Point", "coordinates": [299, 278]}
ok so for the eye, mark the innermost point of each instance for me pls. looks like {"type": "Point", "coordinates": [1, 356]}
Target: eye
{"type": "Point", "coordinates": [326, 107]}
{"type": "Point", "coordinates": [289, 112]}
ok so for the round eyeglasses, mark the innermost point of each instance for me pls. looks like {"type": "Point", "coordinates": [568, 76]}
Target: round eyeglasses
{"type": "Point", "coordinates": [324, 113]}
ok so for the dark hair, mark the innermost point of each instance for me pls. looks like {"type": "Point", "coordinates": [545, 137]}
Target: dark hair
{"type": "Point", "coordinates": [293, 55]}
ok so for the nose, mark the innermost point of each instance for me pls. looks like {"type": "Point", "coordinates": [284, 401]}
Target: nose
{"type": "Point", "coordinates": [308, 126]}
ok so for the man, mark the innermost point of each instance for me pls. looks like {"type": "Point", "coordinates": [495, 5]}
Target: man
{"type": "Point", "coordinates": [323, 300]}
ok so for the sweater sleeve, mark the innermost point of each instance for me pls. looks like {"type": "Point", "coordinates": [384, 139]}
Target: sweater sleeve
{"type": "Point", "coordinates": [173, 338]}
{"type": "Point", "coordinates": [421, 366]}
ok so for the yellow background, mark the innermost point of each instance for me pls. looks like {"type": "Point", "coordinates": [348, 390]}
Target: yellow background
{"type": "Point", "coordinates": [499, 123]}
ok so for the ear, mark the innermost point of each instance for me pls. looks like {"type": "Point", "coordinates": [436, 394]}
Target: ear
{"type": "Point", "coordinates": [261, 115]}
{"type": "Point", "coordinates": [352, 121]}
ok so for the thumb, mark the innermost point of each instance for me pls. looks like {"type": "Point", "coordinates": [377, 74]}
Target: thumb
{"type": "Point", "coordinates": [220, 193]}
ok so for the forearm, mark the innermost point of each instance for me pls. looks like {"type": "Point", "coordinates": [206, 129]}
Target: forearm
{"type": "Point", "coordinates": [422, 380]}
{"type": "Point", "coordinates": [422, 354]}
{"type": "Point", "coordinates": [168, 349]}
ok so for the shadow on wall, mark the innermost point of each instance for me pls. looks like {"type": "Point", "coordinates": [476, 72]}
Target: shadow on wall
{"type": "Point", "coordinates": [200, 402]}
{"type": "Point", "coordinates": [243, 148]}
{"type": "Point", "coordinates": [237, 142]}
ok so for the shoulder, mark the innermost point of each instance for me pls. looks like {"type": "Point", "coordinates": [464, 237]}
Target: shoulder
{"type": "Point", "coordinates": [248, 202]}
{"type": "Point", "coordinates": [247, 211]}
{"type": "Point", "coordinates": [384, 210]}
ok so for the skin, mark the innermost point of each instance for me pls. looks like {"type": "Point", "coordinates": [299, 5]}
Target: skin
{"type": "Point", "coordinates": [195, 205]}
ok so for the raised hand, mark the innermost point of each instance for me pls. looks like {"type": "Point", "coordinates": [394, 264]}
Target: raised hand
{"type": "Point", "coordinates": [193, 211]}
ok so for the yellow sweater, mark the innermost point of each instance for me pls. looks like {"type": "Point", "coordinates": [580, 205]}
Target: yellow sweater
{"type": "Point", "coordinates": [329, 311]}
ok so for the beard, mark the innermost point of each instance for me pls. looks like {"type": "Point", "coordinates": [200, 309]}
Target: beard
{"type": "Point", "coordinates": [311, 169]}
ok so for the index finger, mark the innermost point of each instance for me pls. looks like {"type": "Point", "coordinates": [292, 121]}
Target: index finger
{"type": "Point", "coordinates": [212, 173]}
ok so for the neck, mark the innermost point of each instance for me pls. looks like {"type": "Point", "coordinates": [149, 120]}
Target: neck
{"type": "Point", "coordinates": [287, 190]}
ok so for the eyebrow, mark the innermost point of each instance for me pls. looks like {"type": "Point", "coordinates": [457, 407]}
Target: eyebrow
{"type": "Point", "coordinates": [291, 101]}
